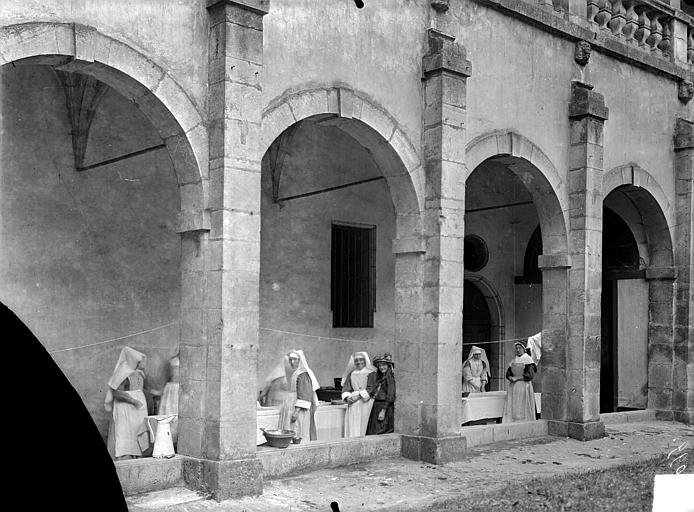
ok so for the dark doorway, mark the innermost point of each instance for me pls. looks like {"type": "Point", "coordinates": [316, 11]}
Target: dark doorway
{"type": "Point", "coordinates": [477, 324]}
{"type": "Point", "coordinates": [620, 262]}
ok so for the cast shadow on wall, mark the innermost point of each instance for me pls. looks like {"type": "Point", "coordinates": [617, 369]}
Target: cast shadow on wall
{"type": "Point", "coordinates": [58, 460]}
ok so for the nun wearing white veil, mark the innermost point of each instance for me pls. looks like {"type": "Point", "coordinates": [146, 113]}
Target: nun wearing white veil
{"type": "Point", "coordinates": [298, 410]}
{"type": "Point", "coordinates": [476, 371]}
{"type": "Point", "coordinates": [126, 401]}
{"type": "Point", "coordinates": [359, 403]}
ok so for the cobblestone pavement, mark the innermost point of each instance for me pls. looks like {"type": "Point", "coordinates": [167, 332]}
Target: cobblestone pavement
{"type": "Point", "coordinates": [401, 484]}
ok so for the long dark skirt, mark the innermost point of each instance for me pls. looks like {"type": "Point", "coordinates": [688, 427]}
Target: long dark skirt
{"type": "Point", "coordinates": [386, 426]}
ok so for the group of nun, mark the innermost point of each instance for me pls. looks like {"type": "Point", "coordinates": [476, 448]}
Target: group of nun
{"type": "Point", "coordinates": [368, 390]}
{"type": "Point", "coordinates": [520, 396]}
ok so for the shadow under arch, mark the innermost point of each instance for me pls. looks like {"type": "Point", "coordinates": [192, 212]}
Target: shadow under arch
{"type": "Point", "coordinates": [372, 127]}
{"type": "Point", "coordinates": [58, 456]}
{"type": "Point", "coordinates": [76, 48]}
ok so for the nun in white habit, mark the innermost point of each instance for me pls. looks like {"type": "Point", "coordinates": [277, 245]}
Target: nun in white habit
{"type": "Point", "coordinates": [476, 371]}
{"type": "Point", "coordinates": [126, 401]}
{"type": "Point", "coordinates": [520, 397]}
{"type": "Point", "coordinates": [298, 410]}
{"type": "Point", "coordinates": [354, 393]}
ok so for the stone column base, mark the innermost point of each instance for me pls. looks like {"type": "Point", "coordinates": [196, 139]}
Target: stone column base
{"type": "Point", "coordinates": [434, 450]}
{"type": "Point", "coordinates": [224, 479]}
{"type": "Point", "coordinates": [582, 431]}
{"type": "Point", "coordinates": [684, 416]}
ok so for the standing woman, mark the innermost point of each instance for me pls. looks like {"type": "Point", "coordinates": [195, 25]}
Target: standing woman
{"type": "Point", "coordinates": [381, 385]}
{"type": "Point", "coordinates": [126, 400]}
{"type": "Point", "coordinates": [520, 397]}
{"type": "Point", "coordinates": [298, 410]}
{"type": "Point", "coordinates": [476, 371]}
{"type": "Point", "coordinates": [359, 403]}
{"type": "Point", "coordinates": [169, 398]}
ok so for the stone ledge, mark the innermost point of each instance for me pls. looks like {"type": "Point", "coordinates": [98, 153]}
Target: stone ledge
{"type": "Point", "coordinates": [548, 21]}
{"type": "Point", "coordinates": [487, 434]}
{"type": "Point", "coordinates": [628, 416]}
{"type": "Point", "coordinates": [297, 459]}
{"type": "Point", "coordinates": [451, 448]}
{"type": "Point", "coordinates": [149, 474]}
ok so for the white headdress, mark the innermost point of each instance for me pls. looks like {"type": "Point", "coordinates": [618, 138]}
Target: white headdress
{"type": "Point", "coordinates": [127, 363]}
{"type": "Point", "coordinates": [351, 366]}
{"type": "Point", "coordinates": [483, 356]}
{"type": "Point", "coordinates": [303, 367]}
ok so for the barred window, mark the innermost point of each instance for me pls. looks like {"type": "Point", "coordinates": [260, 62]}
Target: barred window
{"type": "Point", "coordinates": [353, 276]}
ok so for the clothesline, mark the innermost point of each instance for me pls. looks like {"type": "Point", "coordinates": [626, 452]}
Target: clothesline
{"type": "Point", "coordinates": [496, 341]}
{"type": "Point", "coordinates": [314, 336]}
{"type": "Point", "coordinates": [115, 339]}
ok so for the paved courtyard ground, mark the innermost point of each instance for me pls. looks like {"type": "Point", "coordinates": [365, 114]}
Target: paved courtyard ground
{"type": "Point", "coordinates": [504, 476]}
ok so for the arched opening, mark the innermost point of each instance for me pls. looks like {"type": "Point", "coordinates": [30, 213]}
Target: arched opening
{"type": "Point", "coordinates": [483, 323]}
{"type": "Point", "coordinates": [500, 209]}
{"type": "Point", "coordinates": [327, 265]}
{"type": "Point", "coordinates": [636, 307]}
{"type": "Point", "coordinates": [97, 173]}
{"type": "Point", "coordinates": [513, 202]}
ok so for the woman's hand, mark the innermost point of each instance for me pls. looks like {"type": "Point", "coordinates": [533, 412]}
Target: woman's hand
{"type": "Point", "coordinates": [137, 404]}
{"type": "Point", "coordinates": [382, 415]}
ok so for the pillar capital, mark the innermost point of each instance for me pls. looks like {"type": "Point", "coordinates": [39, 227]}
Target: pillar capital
{"type": "Point", "coordinates": [553, 261]}
{"type": "Point", "coordinates": [661, 273]}
{"type": "Point", "coordinates": [444, 55]}
{"type": "Point", "coordinates": [684, 134]}
{"type": "Point", "coordinates": [193, 221]}
{"type": "Point", "coordinates": [585, 102]}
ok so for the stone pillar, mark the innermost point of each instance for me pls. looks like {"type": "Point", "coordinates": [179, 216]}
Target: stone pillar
{"type": "Point", "coordinates": [554, 334]}
{"type": "Point", "coordinates": [445, 71]}
{"type": "Point", "coordinates": [219, 377]}
{"type": "Point", "coordinates": [587, 114]}
{"type": "Point", "coordinates": [683, 371]}
{"type": "Point", "coordinates": [660, 340]}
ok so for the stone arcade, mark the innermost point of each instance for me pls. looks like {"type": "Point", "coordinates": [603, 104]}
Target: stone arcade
{"type": "Point", "coordinates": [171, 174]}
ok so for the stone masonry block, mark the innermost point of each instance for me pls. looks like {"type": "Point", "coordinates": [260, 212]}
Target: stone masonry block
{"type": "Point", "coordinates": [586, 431]}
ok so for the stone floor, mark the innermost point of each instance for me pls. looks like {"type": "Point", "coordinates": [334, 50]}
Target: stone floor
{"type": "Point", "coordinates": [401, 484]}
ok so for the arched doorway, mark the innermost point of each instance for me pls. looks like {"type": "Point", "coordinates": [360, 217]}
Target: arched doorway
{"type": "Point", "coordinates": [477, 325]}
{"type": "Point", "coordinates": [637, 299]}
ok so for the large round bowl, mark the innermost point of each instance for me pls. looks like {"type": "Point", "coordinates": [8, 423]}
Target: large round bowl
{"type": "Point", "coordinates": [279, 438]}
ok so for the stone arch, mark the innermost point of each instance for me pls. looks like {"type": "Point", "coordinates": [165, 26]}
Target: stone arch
{"type": "Point", "coordinates": [652, 204]}
{"type": "Point", "coordinates": [538, 174]}
{"type": "Point", "coordinates": [83, 49]}
{"type": "Point", "coordinates": [372, 127]}
{"type": "Point", "coordinates": [655, 219]}
{"type": "Point", "coordinates": [491, 295]}
{"type": "Point", "coordinates": [549, 195]}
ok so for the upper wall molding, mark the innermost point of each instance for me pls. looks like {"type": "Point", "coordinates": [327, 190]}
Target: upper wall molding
{"type": "Point", "coordinates": [572, 28]}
